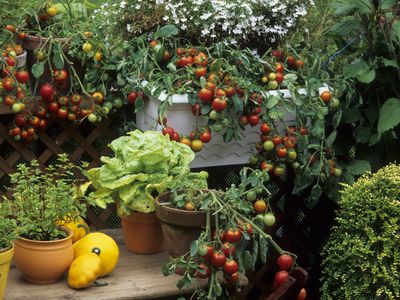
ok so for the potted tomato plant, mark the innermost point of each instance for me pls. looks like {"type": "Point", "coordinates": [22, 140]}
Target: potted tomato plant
{"type": "Point", "coordinates": [233, 239]}
{"type": "Point", "coordinates": [144, 164]}
{"type": "Point", "coordinates": [8, 233]}
{"type": "Point", "coordinates": [41, 200]}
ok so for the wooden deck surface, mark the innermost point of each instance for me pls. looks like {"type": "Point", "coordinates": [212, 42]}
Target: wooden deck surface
{"type": "Point", "coordinates": [135, 277]}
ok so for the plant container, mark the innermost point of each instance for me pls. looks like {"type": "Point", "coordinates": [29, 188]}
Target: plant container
{"type": "Point", "coordinates": [6, 256]}
{"type": "Point", "coordinates": [142, 233]}
{"type": "Point", "coordinates": [180, 227]}
{"type": "Point", "coordinates": [43, 262]}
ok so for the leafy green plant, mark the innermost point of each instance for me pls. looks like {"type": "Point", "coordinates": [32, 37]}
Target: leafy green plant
{"type": "Point", "coordinates": [235, 244]}
{"type": "Point", "coordinates": [362, 256]}
{"type": "Point", "coordinates": [44, 199]}
{"type": "Point", "coordinates": [369, 31]}
{"type": "Point", "coordinates": [8, 226]}
{"type": "Point", "coordinates": [144, 163]}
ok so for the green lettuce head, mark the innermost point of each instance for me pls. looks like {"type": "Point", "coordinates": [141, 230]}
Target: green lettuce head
{"type": "Point", "coordinates": [144, 164]}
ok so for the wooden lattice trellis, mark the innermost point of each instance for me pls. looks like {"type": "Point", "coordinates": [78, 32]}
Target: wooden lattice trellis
{"type": "Point", "coordinates": [82, 142]}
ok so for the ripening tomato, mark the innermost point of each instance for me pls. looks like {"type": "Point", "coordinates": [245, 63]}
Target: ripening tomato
{"type": "Point", "coordinates": [8, 84]}
{"type": "Point", "coordinates": [98, 97]}
{"type": "Point", "coordinates": [168, 131]}
{"type": "Point", "coordinates": [279, 170]}
{"type": "Point", "coordinates": [63, 100]}
{"type": "Point", "coordinates": [243, 120]}
{"type": "Point", "coordinates": [132, 97]}
{"type": "Point", "coordinates": [200, 72]}
{"type": "Point", "coordinates": [71, 116]}
{"type": "Point", "coordinates": [291, 61]}
{"type": "Point", "coordinates": [196, 109]}
{"type": "Point", "coordinates": [62, 113]}
{"type": "Point", "coordinates": [197, 145]}
{"type": "Point", "coordinates": [186, 141]}
{"type": "Point", "coordinates": [302, 295]}
{"type": "Point", "coordinates": [76, 99]}
{"type": "Point", "coordinates": [201, 59]}
{"type": "Point", "coordinates": [303, 131]}
{"type": "Point", "coordinates": [326, 96]}
{"type": "Point", "coordinates": [279, 78]}
{"type": "Point", "coordinates": [299, 63]}
{"type": "Point", "coordinates": [277, 140]}
{"type": "Point", "coordinates": [34, 121]}
{"type": "Point", "coordinates": [203, 271]}
{"type": "Point", "coordinates": [260, 207]}
{"type": "Point", "coordinates": [9, 100]}
{"type": "Point", "coordinates": [230, 91]}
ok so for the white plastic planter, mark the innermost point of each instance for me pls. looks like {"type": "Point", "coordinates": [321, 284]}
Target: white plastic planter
{"type": "Point", "coordinates": [21, 60]}
{"type": "Point", "coordinates": [216, 152]}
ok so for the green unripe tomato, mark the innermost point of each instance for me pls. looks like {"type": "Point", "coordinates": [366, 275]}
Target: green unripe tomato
{"type": "Point", "coordinates": [16, 107]}
{"type": "Point", "coordinates": [214, 115]}
{"type": "Point", "coordinates": [118, 103]}
{"type": "Point", "coordinates": [292, 155]}
{"type": "Point", "coordinates": [295, 165]}
{"type": "Point", "coordinates": [104, 77]}
{"type": "Point", "coordinates": [268, 145]}
{"type": "Point", "coordinates": [269, 219]}
{"type": "Point", "coordinates": [92, 118]}
{"type": "Point", "coordinates": [202, 250]}
{"type": "Point", "coordinates": [335, 103]}
{"type": "Point", "coordinates": [224, 122]}
{"type": "Point", "coordinates": [105, 110]}
{"type": "Point", "coordinates": [251, 196]}
{"type": "Point", "coordinates": [253, 160]}
{"type": "Point", "coordinates": [217, 127]}
{"type": "Point", "coordinates": [338, 172]}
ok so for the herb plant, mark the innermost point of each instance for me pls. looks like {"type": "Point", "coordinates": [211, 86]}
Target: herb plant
{"type": "Point", "coordinates": [362, 256]}
{"type": "Point", "coordinates": [44, 199]}
{"type": "Point", "coordinates": [8, 226]}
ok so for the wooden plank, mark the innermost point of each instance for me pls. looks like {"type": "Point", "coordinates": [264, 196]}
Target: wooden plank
{"type": "Point", "coordinates": [135, 277]}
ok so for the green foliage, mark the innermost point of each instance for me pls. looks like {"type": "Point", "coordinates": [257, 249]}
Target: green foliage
{"type": "Point", "coordinates": [143, 163]}
{"type": "Point", "coordinates": [362, 256]}
{"type": "Point", "coordinates": [43, 198]}
{"type": "Point", "coordinates": [8, 226]}
{"type": "Point", "coordinates": [370, 32]}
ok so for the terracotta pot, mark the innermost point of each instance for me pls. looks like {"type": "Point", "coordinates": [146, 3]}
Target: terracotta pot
{"type": "Point", "coordinates": [180, 227]}
{"type": "Point", "coordinates": [6, 256]}
{"type": "Point", "coordinates": [44, 262]}
{"type": "Point", "coordinates": [142, 233]}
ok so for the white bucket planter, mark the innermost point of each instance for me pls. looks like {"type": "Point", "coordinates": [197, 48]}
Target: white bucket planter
{"type": "Point", "coordinates": [21, 60]}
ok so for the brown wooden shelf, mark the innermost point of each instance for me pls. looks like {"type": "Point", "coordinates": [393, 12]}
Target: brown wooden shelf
{"type": "Point", "coordinates": [135, 277]}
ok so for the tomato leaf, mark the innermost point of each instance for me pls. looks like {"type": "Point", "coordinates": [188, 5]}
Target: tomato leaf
{"type": "Point", "coordinates": [228, 135]}
{"type": "Point", "coordinates": [193, 248]}
{"type": "Point", "coordinates": [389, 115]}
{"type": "Point", "coordinates": [362, 134]}
{"type": "Point", "coordinates": [165, 31]}
{"type": "Point", "coordinates": [203, 81]}
{"type": "Point", "coordinates": [38, 69]}
{"type": "Point", "coordinates": [263, 249]}
{"type": "Point", "coordinates": [316, 192]}
{"type": "Point", "coordinates": [331, 138]}
{"type": "Point", "coordinates": [337, 118]}
{"type": "Point", "coordinates": [272, 102]}
{"type": "Point", "coordinates": [58, 59]}
{"type": "Point", "coordinates": [248, 260]}
{"type": "Point", "coordinates": [302, 183]}
{"type": "Point", "coordinates": [254, 254]}
{"type": "Point", "coordinates": [237, 103]}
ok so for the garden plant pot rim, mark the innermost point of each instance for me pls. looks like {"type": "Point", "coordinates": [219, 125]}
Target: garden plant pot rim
{"type": "Point", "coordinates": [7, 255]}
{"type": "Point", "coordinates": [30, 37]}
{"type": "Point", "coordinates": [7, 249]}
{"type": "Point", "coordinates": [68, 230]}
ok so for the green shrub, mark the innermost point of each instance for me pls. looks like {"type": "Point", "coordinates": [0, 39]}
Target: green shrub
{"type": "Point", "coordinates": [362, 256]}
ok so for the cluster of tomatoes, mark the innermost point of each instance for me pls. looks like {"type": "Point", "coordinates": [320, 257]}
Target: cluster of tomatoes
{"type": "Point", "coordinates": [275, 151]}
{"type": "Point", "coordinates": [220, 255]}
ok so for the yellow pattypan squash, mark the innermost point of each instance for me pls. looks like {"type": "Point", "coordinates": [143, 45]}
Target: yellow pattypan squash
{"type": "Point", "coordinates": [79, 227]}
{"type": "Point", "coordinates": [101, 244]}
{"type": "Point", "coordinates": [84, 270]}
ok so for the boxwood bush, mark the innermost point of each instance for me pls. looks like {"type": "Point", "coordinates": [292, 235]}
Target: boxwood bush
{"type": "Point", "coordinates": [362, 256]}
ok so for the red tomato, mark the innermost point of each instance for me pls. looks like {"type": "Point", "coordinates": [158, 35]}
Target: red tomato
{"type": "Point", "coordinates": [35, 121]}
{"type": "Point", "coordinates": [218, 259]}
{"type": "Point", "coordinates": [253, 119]}
{"type": "Point", "coordinates": [205, 136]}
{"type": "Point", "coordinates": [31, 131]}
{"type": "Point", "coordinates": [233, 235]}
{"type": "Point", "coordinates": [219, 104]}
{"type": "Point", "coordinates": [132, 97]}
{"type": "Point", "coordinates": [228, 249]}
{"type": "Point", "coordinates": [285, 262]}
{"type": "Point", "coordinates": [303, 131]}
{"type": "Point", "coordinates": [230, 91]}
{"type": "Point", "coordinates": [281, 277]}
{"type": "Point", "coordinates": [289, 142]}
{"type": "Point", "coordinates": [20, 120]}
{"type": "Point", "coordinates": [63, 100]}
{"type": "Point", "coordinates": [281, 152]}
{"type": "Point", "coordinates": [8, 84]}
{"type": "Point", "coordinates": [277, 140]}
{"type": "Point", "coordinates": [62, 113]}
{"type": "Point", "coordinates": [185, 61]}
{"type": "Point", "coordinates": [264, 128]}
{"type": "Point", "coordinates": [231, 266]}
{"type": "Point", "coordinates": [53, 106]}
{"type": "Point", "coordinates": [22, 76]}
{"type": "Point", "coordinates": [205, 95]}
{"type": "Point", "coordinates": [43, 124]}
{"type": "Point", "coordinates": [220, 93]}
{"type": "Point", "coordinates": [9, 100]}
{"type": "Point", "coordinates": [279, 77]}
{"type": "Point", "coordinates": [267, 166]}
{"type": "Point", "coordinates": [47, 92]}
{"type": "Point", "coordinates": [168, 131]}
{"type": "Point", "coordinates": [60, 75]}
